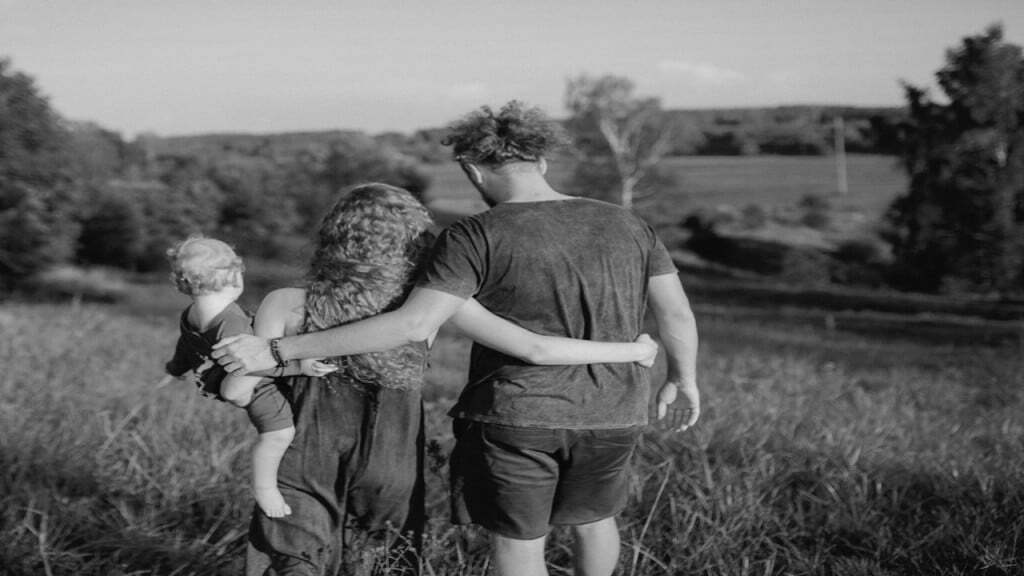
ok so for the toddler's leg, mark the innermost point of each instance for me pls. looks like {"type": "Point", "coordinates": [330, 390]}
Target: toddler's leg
{"type": "Point", "coordinates": [266, 456]}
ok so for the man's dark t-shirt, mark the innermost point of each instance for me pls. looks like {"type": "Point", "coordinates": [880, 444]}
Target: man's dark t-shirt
{"type": "Point", "coordinates": [576, 268]}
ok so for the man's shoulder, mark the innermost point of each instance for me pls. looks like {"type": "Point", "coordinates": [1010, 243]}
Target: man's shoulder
{"type": "Point", "coordinates": [580, 210]}
{"type": "Point", "coordinates": [469, 226]}
{"type": "Point", "coordinates": [606, 207]}
{"type": "Point", "coordinates": [515, 210]}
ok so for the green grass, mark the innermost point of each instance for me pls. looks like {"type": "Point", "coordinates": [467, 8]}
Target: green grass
{"type": "Point", "coordinates": [706, 182]}
{"type": "Point", "coordinates": [819, 452]}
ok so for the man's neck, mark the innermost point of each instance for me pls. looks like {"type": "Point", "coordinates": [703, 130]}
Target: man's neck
{"type": "Point", "coordinates": [528, 187]}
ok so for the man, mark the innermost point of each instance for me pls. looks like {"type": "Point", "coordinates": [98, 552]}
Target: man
{"type": "Point", "coordinates": [536, 446]}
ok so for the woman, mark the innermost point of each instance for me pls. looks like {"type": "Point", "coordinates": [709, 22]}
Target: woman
{"type": "Point", "coordinates": [355, 466]}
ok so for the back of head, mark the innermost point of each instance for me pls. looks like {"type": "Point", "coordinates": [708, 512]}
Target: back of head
{"type": "Point", "coordinates": [516, 133]}
{"type": "Point", "coordinates": [372, 229]}
{"type": "Point", "coordinates": [370, 248]}
{"type": "Point", "coordinates": [201, 265]}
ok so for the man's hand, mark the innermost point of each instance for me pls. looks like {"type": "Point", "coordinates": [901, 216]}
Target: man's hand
{"type": "Point", "coordinates": [652, 352]}
{"type": "Point", "coordinates": [243, 354]}
{"type": "Point", "coordinates": [678, 405]}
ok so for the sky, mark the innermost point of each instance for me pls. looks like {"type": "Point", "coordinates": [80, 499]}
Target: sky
{"type": "Point", "coordinates": [257, 66]}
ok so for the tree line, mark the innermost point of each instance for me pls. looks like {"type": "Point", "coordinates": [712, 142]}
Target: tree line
{"type": "Point", "coordinates": [76, 192]}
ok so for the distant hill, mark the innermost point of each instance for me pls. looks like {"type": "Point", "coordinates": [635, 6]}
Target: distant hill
{"type": "Point", "coordinates": [274, 144]}
{"type": "Point", "coordinates": [790, 112]}
{"type": "Point", "coordinates": [788, 130]}
{"type": "Point", "coordinates": [422, 145]}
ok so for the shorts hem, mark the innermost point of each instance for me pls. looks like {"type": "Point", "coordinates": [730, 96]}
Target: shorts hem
{"type": "Point", "coordinates": [615, 514]}
{"type": "Point", "coordinates": [603, 425]}
{"type": "Point", "coordinates": [274, 427]}
{"type": "Point", "coordinates": [502, 533]}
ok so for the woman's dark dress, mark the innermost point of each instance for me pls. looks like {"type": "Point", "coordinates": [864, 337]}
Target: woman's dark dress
{"type": "Point", "coordinates": [353, 478]}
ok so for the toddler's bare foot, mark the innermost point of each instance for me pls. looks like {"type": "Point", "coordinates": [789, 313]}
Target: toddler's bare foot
{"type": "Point", "coordinates": [271, 502]}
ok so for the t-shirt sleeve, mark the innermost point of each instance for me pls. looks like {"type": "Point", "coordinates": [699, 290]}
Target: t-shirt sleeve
{"type": "Point", "coordinates": [233, 324]}
{"type": "Point", "coordinates": [457, 263]}
{"type": "Point", "coordinates": [659, 261]}
{"type": "Point", "coordinates": [179, 364]}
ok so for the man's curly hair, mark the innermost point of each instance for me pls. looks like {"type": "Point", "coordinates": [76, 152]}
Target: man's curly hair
{"type": "Point", "coordinates": [371, 246]}
{"type": "Point", "coordinates": [516, 133]}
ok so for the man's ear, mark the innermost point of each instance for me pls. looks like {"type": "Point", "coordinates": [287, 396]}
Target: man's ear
{"type": "Point", "coordinates": [473, 173]}
{"type": "Point", "coordinates": [542, 165]}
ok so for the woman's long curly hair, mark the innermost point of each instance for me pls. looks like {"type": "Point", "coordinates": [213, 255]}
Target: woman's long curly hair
{"type": "Point", "coordinates": [372, 245]}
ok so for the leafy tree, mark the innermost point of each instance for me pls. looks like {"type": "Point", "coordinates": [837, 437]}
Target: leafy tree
{"type": "Point", "coordinates": [255, 206]}
{"type": "Point", "coordinates": [114, 229]}
{"type": "Point", "coordinates": [620, 137]}
{"type": "Point", "coordinates": [97, 154]}
{"type": "Point", "coordinates": [961, 222]}
{"type": "Point", "coordinates": [361, 159]}
{"type": "Point", "coordinates": [36, 192]}
{"type": "Point", "coordinates": [171, 214]}
{"type": "Point", "coordinates": [422, 145]}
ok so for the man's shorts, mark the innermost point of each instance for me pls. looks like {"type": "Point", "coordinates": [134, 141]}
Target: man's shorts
{"type": "Point", "coordinates": [518, 482]}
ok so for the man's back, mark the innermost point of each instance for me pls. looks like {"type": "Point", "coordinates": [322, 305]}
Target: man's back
{"type": "Point", "coordinates": [573, 267]}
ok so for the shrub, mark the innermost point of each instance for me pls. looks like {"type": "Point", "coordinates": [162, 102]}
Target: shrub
{"type": "Point", "coordinates": [816, 211]}
{"type": "Point", "coordinates": [806, 267]}
{"type": "Point", "coordinates": [861, 251]}
{"type": "Point", "coordinates": [113, 231]}
{"type": "Point", "coordinates": [730, 143]}
{"type": "Point", "coordinates": [753, 216]}
{"type": "Point", "coordinates": [798, 138]}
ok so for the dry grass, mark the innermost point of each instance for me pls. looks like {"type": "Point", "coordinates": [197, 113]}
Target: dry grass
{"type": "Point", "coordinates": [819, 453]}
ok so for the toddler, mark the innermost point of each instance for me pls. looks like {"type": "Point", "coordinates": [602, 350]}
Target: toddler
{"type": "Point", "coordinates": [210, 273]}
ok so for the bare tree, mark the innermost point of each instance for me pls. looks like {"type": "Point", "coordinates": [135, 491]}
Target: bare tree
{"type": "Point", "coordinates": [618, 133]}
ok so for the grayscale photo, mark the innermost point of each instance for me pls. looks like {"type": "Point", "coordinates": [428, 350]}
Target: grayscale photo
{"type": "Point", "coordinates": [512, 288]}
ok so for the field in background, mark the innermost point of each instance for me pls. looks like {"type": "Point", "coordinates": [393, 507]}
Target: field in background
{"type": "Point", "coordinates": [832, 441]}
{"type": "Point", "coordinates": [819, 452]}
{"type": "Point", "coordinates": [707, 182]}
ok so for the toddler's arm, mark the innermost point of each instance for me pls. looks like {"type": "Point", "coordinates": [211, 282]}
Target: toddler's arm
{"type": "Point", "coordinates": [495, 332]}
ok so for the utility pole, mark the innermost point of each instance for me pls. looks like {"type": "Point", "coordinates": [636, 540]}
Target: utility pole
{"type": "Point", "coordinates": [839, 138]}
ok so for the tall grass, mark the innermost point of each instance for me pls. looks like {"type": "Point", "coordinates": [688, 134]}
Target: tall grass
{"type": "Point", "coordinates": [818, 453]}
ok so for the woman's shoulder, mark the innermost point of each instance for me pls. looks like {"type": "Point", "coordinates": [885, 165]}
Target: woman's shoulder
{"type": "Point", "coordinates": [286, 297]}
{"type": "Point", "coordinates": [286, 306]}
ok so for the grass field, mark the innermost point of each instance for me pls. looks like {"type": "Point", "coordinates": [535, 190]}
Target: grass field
{"type": "Point", "coordinates": [819, 452]}
{"type": "Point", "coordinates": [706, 182]}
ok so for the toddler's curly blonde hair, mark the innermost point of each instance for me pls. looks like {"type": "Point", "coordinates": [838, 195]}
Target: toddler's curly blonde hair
{"type": "Point", "coordinates": [201, 265]}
